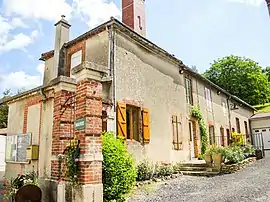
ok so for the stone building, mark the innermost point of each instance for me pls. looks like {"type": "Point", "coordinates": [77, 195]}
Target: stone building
{"type": "Point", "coordinates": [112, 78]}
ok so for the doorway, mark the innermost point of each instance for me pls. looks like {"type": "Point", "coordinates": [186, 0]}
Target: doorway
{"type": "Point", "coordinates": [191, 139]}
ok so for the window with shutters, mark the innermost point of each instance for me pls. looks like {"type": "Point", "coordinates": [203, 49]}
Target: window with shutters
{"type": "Point", "coordinates": [208, 98]}
{"type": "Point", "coordinates": [177, 133]}
{"type": "Point", "coordinates": [188, 87]}
{"type": "Point", "coordinates": [76, 59]}
{"type": "Point", "coordinates": [211, 135]}
{"type": "Point", "coordinates": [132, 114]}
{"type": "Point", "coordinates": [222, 142]}
{"type": "Point", "coordinates": [238, 129]}
{"type": "Point", "coordinates": [129, 122]}
{"type": "Point", "coordinates": [246, 128]}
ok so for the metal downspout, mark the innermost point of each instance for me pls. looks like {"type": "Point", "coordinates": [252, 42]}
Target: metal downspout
{"type": "Point", "coordinates": [229, 113]}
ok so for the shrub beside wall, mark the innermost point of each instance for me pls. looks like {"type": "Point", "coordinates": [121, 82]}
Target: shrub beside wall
{"type": "Point", "coordinates": [118, 169]}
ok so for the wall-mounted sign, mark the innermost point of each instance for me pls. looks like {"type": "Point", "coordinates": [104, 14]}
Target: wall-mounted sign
{"type": "Point", "coordinates": [16, 147]}
{"type": "Point", "coordinates": [80, 124]}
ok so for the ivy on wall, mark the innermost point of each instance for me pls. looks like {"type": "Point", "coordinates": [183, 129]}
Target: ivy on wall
{"type": "Point", "coordinates": [197, 114]}
{"type": "Point", "coordinates": [70, 158]}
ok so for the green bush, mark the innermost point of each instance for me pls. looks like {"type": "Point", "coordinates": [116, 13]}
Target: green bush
{"type": "Point", "coordinates": [118, 168]}
{"type": "Point", "coordinates": [248, 150]}
{"type": "Point", "coordinates": [164, 170]}
{"type": "Point", "coordinates": [233, 154]}
{"type": "Point", "coordinates": [145, 170]}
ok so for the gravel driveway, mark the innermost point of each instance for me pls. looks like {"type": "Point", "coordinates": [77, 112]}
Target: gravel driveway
{"type": "Point", "coordinates": [251, 184]}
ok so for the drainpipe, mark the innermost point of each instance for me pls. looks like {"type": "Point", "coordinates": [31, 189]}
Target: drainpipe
{"type": "Point", "coordinates": [111, 59]}
{"type": "Point", "coordinates": [229, 113]}
{"type": "Point", "coordinates": [109, 52]}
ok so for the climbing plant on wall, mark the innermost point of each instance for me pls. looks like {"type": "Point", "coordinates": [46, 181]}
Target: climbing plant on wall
{"type": "Point", "coordinates": [197, 114]}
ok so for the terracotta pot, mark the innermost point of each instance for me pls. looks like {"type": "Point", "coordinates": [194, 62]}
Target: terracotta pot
{"type": "Point", "coordinates": [208, 158]}
{"type": "Point", "coordinates": [217, 158]}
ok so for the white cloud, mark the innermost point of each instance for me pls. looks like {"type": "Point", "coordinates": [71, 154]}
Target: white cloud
{"type": "Point", "coordinates": [18, 42]}
{"type": "Point", "coordinates": [34, 34]}
{"type": "Point", "coordinates": [40, 69]}
{"type": "Point", "coordinates": [37, 9]}
{"type": "Point", "coordinates": [23, 80]}
{"type": "Point", "coordinates": [94, 12]}
{"type": "Point", "coordinates": [4, 29]}
{"type": "Point", "coordinates": [255, 3]}
{"type": "Point", "coordinates": [17, 22]}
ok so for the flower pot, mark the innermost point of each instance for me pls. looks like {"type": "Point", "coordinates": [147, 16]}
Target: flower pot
{"type": "Point", "coordinates": [217, 158]}
{"type": "Point", "coordinates": [208, 159]}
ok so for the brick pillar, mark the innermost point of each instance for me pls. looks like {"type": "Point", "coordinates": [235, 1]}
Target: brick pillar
{"type": "Point", "coordinates": [89, 107]}
{"type": "Point", "coordinates": [62, 128]}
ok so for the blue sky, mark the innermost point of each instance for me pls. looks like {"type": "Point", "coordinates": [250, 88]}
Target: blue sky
{"type": "Point", "coordinates": [196, 31]}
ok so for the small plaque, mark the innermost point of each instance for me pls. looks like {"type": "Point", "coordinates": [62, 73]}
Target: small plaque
{"type": "Point", "coordinates": [80, 124]}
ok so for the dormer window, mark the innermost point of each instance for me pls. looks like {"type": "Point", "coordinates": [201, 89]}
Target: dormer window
{"type": "Point", "coordinates": [76, 59]}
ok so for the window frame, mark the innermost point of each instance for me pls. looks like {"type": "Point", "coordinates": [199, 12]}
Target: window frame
{"type": "Point", "coordinates": [188, 90]}
{"type": "Point", "coordinates": [130, 134]}
{"type": "Point", "coordinates": [238, 125]}
{"type": "Point", "coordinates": [212, 138]}
{"type": "Point", "coordinates": [208, 98]}
{"type": "Point", "coordinates": [80, 56]}
{"type": "Point", "coordinates": [224, 108]}
{"type": "Point", "coordinates": [222, 136]}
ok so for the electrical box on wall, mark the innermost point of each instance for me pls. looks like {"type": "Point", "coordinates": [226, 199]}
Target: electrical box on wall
{"type": "Point", "coordinates": [32, 152]}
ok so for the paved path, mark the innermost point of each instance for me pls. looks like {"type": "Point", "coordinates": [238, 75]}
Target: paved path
{"type": "Point", "coordinates": [249, 185]}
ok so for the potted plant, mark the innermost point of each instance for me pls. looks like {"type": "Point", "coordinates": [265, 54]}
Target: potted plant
{"type": "Point", "coordinates": [217, 155]}
{"type": "Point", "coordinates": [208, 156]}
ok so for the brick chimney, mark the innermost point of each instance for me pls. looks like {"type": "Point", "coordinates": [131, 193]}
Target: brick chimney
{"type": "Point", "coordinates": [61, 37]}
{"type": "Point", "coordinates": [133, 15]}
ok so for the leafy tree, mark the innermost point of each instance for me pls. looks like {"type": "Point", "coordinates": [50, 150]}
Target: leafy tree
{"type": "Point", "coordinates": [4, 110]}
{"type": "Point", "coordinates": [267, 72]}
{"type": "Point", "coordinates": [20, 90]}
{"type": "Point", "coordinates": [241, 77]}
{"type": "Point", "coordinates": [194, 68]}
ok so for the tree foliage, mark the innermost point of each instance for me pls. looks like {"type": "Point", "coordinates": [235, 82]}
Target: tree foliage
{"type": "Point", "coordinates": [267, 72]}
{"type": "Point", "coordinates": [4, 110]}
{"type": "Point", "coordinates": [241, 77]}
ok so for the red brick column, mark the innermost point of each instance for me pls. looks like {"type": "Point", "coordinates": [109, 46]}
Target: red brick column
{"type": "Point", "coordinates": [89, 106]}
{"type": "Point", "coordinates": [62, 127]}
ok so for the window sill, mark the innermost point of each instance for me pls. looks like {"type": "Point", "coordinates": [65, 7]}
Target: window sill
{"type": "Point", "coordinates": [13, 162]}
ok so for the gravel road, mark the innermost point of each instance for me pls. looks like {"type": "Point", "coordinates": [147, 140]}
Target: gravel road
{"type": "Point", "coordinates": [249, 185]}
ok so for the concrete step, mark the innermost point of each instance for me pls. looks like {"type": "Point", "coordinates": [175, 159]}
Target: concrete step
{"type": "Point", "coordinates": [193, 168]}
{"type": "Point", "coordinates": [193, 165]}
{"type": "Point", "coordinates": [200, 173]}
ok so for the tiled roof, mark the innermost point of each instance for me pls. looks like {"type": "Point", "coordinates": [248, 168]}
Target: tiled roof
{"type": "Point", "coordinates": [261, 115]}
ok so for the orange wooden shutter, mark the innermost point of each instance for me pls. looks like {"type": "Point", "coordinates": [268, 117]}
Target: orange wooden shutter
{"type": "Point", "coordinates": [121, 120]}
{"type": "Point", "coordinates": [146, 126]}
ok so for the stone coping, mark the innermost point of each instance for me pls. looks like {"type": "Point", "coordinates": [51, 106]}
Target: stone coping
{"type": "Point", "coordinates": [232, 168]}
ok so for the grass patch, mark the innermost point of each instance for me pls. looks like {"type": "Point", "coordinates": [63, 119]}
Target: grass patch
{"type": "Point", "coordinates": [149, 188]}
{"type": "Point", "coordinates": [263, 108]}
